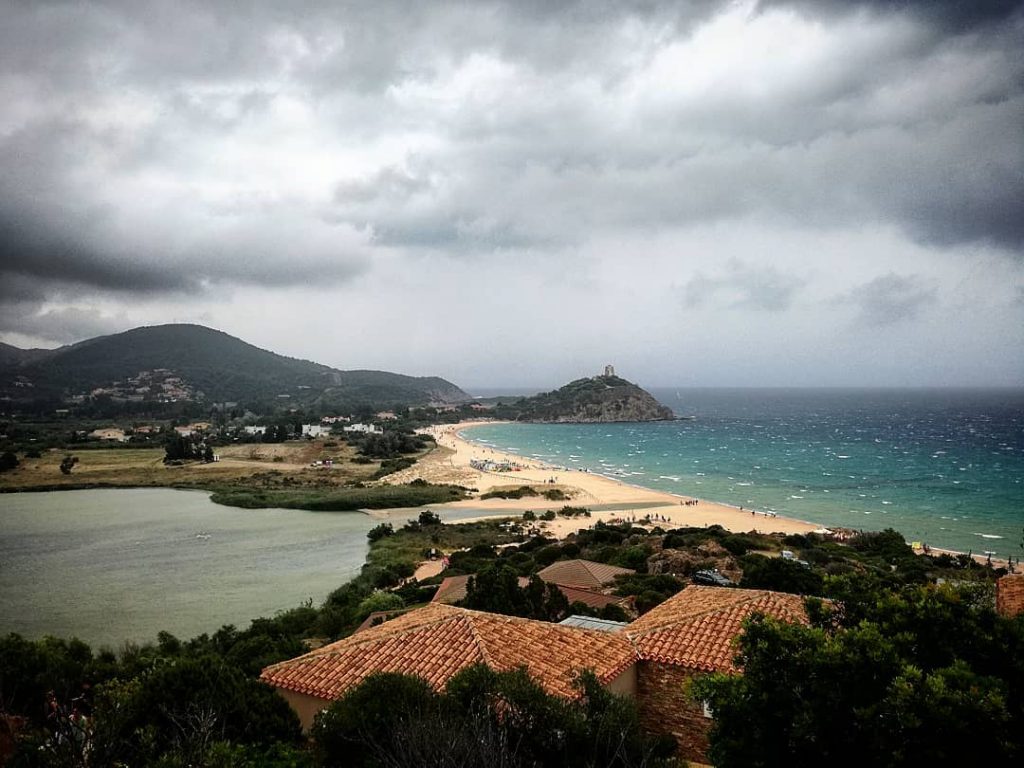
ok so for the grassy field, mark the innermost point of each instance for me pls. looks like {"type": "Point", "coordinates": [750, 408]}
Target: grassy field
{"type": "Point", "coordinates": [252, 475]}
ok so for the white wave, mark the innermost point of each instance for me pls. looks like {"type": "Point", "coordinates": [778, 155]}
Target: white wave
{"type": "Point", "coordinates": [988, 535]}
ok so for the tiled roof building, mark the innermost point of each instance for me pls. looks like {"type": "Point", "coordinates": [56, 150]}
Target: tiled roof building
{"type": "Point", "coordinates": [690, 634]}
{"type": "Point", "coordinates": [582, 573]}
{"type": "Point", "coordinates": [437, 641]}
{"type": "Point", "coordinates": [697, 628]}
{"type": "Point", "coordinates": [652, 659]}
{"type": "Point", "coordinates": [451, 590]}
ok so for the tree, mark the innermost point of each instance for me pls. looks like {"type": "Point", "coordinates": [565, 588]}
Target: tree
{"type": "Point", "coordinates": [429, 518]}
{"type": "Point", "coordinates": [775, 573]}
{"type": "Point", "coordinates": [363, 723]}
{"type": "Point", "coordinates": [8, 460]}
{"type": "Point", "coordinates": [922, 676]}
{"type": "Point", "coordinates": [379, 601]}
{"type": "Point", "coordinates": [496, 589]}
{"type": "Point", "coordinates": [67, 464]}
{"type": "Point", "coordinates": [178, 448]}
{"type": "Point", "coordinates": [483, 717]}
{"type": "Point", "coordinates": [380, 531]}
{"type": "Point", "coordinates": [184, 699]}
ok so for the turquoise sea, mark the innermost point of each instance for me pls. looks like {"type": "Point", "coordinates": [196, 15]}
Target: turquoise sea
{"type": "Point", "coordinates": [942, 466]}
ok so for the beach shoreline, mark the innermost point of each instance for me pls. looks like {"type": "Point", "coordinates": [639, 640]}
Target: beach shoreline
{"type": "Point", "coordinates": [608, 498]}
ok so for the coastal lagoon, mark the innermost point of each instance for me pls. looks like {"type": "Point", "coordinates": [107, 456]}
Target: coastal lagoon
{"type": "Point", "coordinates": [941, 466]}
{"type": "Point", "coordinates": [115, 565]}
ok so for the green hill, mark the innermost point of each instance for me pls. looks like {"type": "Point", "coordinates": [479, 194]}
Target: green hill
{"type": "Point", "coordinates": [600, 399]}
{"type": "Point", "coordinates": [192, 362]}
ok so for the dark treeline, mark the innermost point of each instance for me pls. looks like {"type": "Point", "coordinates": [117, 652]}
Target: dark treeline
{"type": "Point", "coordinates": [483, 718]}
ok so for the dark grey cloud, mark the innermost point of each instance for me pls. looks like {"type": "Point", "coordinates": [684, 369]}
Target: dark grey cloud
{"type": "Point", "coordinates": [891, 299]}
{"type": "Point", "coordinates": [951, 15]}
{"type": "Point", "coordinates": [61, 230]}
{"type": "Point", "coordinates": [154, 152]}
{"type": "Point", "coordinates": [61, 325]}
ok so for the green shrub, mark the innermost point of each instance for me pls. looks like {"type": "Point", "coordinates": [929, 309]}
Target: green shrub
{"type": "Point", "coordinates": [380, 531]}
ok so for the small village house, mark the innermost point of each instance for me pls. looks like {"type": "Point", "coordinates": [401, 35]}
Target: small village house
{"type": "Point", "coordinates": [367, 429]}
{"type": "Point", "coordinates": [651, 660]}
{"type": "Point", "coordinates": [113, 434]}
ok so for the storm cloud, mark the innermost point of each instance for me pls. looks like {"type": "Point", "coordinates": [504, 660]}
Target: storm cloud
{"type": "Point", "coordinates": [654, 161]}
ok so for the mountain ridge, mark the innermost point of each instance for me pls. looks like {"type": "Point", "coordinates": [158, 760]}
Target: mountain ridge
{"type": "Point", "coordinates": [203, 364]}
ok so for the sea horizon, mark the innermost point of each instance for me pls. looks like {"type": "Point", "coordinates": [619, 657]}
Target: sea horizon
{"type": "Point", "coordinates": [944, 466]}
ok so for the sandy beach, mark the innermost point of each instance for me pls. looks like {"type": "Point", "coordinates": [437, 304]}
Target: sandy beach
{"type": "Point", "coordinates": [606, 497]}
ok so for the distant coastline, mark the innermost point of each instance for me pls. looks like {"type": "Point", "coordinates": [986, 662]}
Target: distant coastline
{"type": "Point", "coordinates": [731, 516]}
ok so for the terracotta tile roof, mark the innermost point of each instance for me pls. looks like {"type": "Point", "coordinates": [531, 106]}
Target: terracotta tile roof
{"type": "Point", "coordinates": [589, 597]}
{"type": "Point", "coordinates": [438, 640]}
{"type": "Point", "coordinates": [1010, 595]}
{"type": "Point", "coordinates": [451, 590]}
{"type": "Point", "coordinates": [378, 617]}
{"type": "Point", "coordinates": [699, 626]}
{"type": "Point", "coordinates": [582, 573]}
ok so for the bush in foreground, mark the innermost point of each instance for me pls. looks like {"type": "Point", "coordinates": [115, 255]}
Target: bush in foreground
{"type": "Point", "coordinates": [483, 718]}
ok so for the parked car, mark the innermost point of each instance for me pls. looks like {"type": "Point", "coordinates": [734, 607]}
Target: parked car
{"type": "Point", "coordinates": [711, 579]}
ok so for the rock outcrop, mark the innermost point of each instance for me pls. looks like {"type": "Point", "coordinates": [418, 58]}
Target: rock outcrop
{"type": "Point", "coordinates": [598, 400]}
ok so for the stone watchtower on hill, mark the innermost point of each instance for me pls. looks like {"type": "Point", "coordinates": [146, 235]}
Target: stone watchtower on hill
{"type": "Point", "coordinates": [609, 370]}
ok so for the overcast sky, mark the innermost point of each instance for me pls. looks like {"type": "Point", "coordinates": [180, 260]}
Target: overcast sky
{"type": "Point", "coordinates": [515, 193]}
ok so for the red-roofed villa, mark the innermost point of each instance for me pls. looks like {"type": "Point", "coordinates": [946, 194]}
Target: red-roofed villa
{"type": "Point", "coordinates": [652, 659]}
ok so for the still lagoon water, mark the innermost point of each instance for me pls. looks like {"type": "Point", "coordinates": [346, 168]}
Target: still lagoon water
{"type": "Point", "coordinates": [115, 565]}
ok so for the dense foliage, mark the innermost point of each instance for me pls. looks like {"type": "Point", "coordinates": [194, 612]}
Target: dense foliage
{"type": "Point", "coordinates": [8, 460]}
{"type": "Point", "coordinates": [482, 718]}
{"type": "Point", "coordinates": [340, 499]}
{"type": "Point", "coordinates": [918, 675]}
{"type": "Point", "coordinates": [170, 703]}
{"type": "Point", "coordinates": [390, 444]}
{"type": "Point", "coordinates": [496, 589]}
